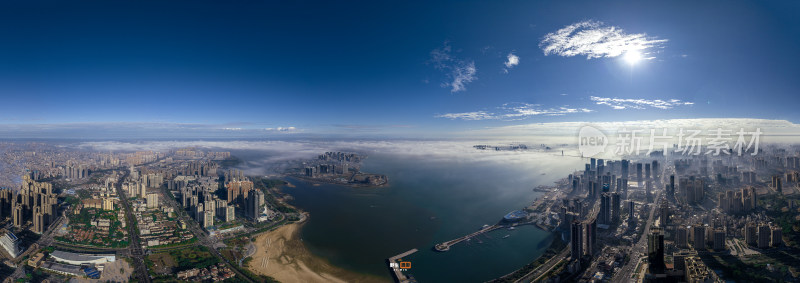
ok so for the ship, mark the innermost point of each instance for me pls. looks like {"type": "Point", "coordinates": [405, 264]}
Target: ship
{"type": "Point", "coordinates": [506, 236]}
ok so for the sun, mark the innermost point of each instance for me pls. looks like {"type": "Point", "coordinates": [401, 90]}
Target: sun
{"type": "Point", "coordinates": [632, 57]}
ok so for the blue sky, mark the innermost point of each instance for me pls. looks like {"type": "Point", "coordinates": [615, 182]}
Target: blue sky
{"type": "Point", "coordinates": [388, 68]}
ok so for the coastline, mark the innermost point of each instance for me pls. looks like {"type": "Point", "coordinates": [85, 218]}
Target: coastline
{"type": "Point", "coordinates": [281, 254]}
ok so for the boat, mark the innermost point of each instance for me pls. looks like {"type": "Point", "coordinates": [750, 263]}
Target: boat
{"type": "Point", "coordinates": [506, 236]}
{"type": "Point", "coordinates": [484, 226]}
{"type": "Point", "coordinates": [511, 228]}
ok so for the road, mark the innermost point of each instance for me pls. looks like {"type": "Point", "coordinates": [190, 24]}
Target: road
{"type": "Point", "coordinates": [135, 247]}
{"type": "Point", "coordinates": [624, 275]}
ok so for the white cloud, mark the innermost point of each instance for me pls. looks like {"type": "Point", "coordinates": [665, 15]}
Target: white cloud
{"type": "Point", "coordinates": [639, 103]}
{"type": "Point", "coordinates": [459, 72]}
{"type": "Point", "coordinates": [511, 61]}
{"type": "Point", "coordinates": [462, 74]}
{"type": "Point", "coordinates": [281, 129]}
{"type": "Point", "coordinates": [596, 40]}
{"type": "Point", "coordinates": [514, 111]}
{"type": "Point", "coordinates": [774, 130]}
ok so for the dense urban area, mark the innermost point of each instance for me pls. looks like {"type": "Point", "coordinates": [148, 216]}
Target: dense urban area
{"type": "Point", "coordinates": [146, 216]}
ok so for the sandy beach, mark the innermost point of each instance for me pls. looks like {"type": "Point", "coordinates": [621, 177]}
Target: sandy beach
{"type": "Point", "coordinates": [281, 255]}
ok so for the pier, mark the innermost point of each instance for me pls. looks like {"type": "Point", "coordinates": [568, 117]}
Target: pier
{"type": "Point", "coordinates": [398, 275]}
{"type": "Point", "coordinates": [443, 247]}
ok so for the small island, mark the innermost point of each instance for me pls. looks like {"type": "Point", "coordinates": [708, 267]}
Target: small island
{"type": "Point", "coordinates": [338, 168]}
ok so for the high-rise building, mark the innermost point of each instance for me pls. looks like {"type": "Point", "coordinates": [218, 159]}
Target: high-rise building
{"type": "Point", "coordinates": [631, 210]}
{"type": "Point", "coordinates": [777, 236]}
{"type": "Point", "coordinates": [152, 200]}
{"type": "Point", "coordinates": [699, 237]}
{"type": "Point", "coordinates": [751, 234]}
{"type": "Point", "coordinates": [238, 190]}
{"type": "Point", "coordinates": [776, 183]}
{"type": "Point", "coordinates": [208, 218]}
{"type": "Point", "coordinates": [615, 208]}
{"type": "Point", "coordinates": [639, 173]}
{"type": "Point", "coordinates": [604, 217]}
{"type": "Point", "coordinates": [655, 251]}
{"type": "Point", "coordinates": [16, 216]}
{"type": "Point", "coordinates": [625, 169]}
{"type": "Point", "coordinates": [764, 236]}
{"type": "Point", "coordinates": [682, 237]}
{"type": "Point", "coordinates": [38, 221]}
{"type": "Point", "coordinates": [664, 210]}
{"type": "Point", "coordinates": [590, 230]}
{"type": "Point", "coordinates": [576, 240]}
{"type": "Point", "coordinates": [230, 214]}
{"type": "Point", "coordinates": [253, 204]}
{"type": "Point", "coordinates": [719, 239]}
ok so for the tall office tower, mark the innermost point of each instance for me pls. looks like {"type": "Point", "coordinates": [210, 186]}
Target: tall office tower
{"type": "Point", "coordinates": [576, 240]}
{"type": "Point", "coordinates": [647, 171]}
{"type": "Point", "coordinates": [777, 236]}
{"type": "Point", "coordinates": [631, 210]}
{"type": "Point", "coordinates": [719, 239]}
{"type": "Point", "coordinates": [664, 209]}
{"type": "Point", "coordinates": [615, 208]}
{"type": "Point", "coordinates": [655, 251]}
{"type": "Point", "coordinates": [590, 230]}
{"type": "Point", "coordinates": [656, 171]}
{"type": "Point", "coordinates": [699, 236]}
{"type": "Point", "coordinates": [682, 237]}
{"type": "Point", "coordinates": [625, 188]}
{"type": "Point", "coordinates": [764, 234]}
{"type": "Point", "coordinates": [38, 221]}
{"type": "Point", "coordinates": [600, 167]}
{"type": "Point", "coordinates": [671, 191]}
{"type": "Point", "coordinates": [624, 169]}
{"type": "Point", "coordinates": [593, 164]}
{"type": "Point", "coordinates": [253, 204]}
{"type": "Point", "coordinates": [604, 217]}
{"type": "Point", "coordinates": [16, 215]}
{"type": "Point", "coordinates": [639, 173]}
{"type": "Point", "coordinates": [751, 234]}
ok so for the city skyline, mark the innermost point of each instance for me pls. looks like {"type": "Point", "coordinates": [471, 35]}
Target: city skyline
{"type": "Point", "coordinates": [369, 70]}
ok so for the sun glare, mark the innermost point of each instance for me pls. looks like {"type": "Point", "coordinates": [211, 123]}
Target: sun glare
{"type": "Point", "coordinates": [632, 57]}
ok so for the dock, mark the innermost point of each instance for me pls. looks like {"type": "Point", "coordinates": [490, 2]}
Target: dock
{"type": "Point", "coordinates": [443, 247]}
{"type": "Point", "coordinates": [398, 275]}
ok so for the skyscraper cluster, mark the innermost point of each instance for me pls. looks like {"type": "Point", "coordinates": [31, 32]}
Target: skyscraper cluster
{"type": "Point", "coordinates": [35, 202]}
{"type": "Point", "coordinates": [740, 201]}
